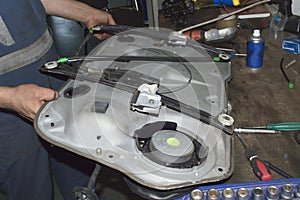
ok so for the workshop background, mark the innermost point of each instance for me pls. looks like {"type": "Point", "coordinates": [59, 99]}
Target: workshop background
{"type": "Point", "coordinates": [258, 97]}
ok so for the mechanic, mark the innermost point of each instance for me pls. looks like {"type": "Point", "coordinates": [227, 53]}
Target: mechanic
{"type": "Point", "coordinates": [25, 45]}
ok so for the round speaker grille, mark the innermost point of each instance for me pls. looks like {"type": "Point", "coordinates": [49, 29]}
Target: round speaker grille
{"type": "Point", "coordinates": [171, 146]}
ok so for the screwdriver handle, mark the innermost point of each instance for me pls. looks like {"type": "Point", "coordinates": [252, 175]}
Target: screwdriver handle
{"type": "Point", "coordinates": [285, 126]}
{"type": "Point", "coordinates": [260, 168]}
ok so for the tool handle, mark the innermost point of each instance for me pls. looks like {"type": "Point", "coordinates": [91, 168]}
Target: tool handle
{"type": "Point", "coordinates": [260, 168]}
{"type": "Point", "coordinates": [285, 126]}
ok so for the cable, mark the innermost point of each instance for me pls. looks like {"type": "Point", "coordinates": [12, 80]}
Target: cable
{"type": "Point", "coordinates": [182, 63]}
{"type": "Point", "coordinates": [297, 137]}
{"type": "Point", "coordinates": [93, 177]}
{"type": "Point", "coordinates": [291, 85]}
{"type": "Point", "coordinates": [86, 38]}
{"type": "Point", "coordinates": [224, 16]}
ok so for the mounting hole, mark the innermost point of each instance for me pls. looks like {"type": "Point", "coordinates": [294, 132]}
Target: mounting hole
{"type": "Point", "coordinates": [77, 91]}
{"type": "Point", "coordinates": [220, 169]}
{"type": "Point", "coordinates": [52, 124]}
{"type": "Point", "coordinates": [110, 156]}
{"type": "Point", "coordinates": [47, 115]}
{"type": "Point", "coordinates": [226, 120]}
{"type": "Point", "coordinates": [98, 137]}
{"type": "Point", "coordinates": [224, 56]}
{"type": "Point", "coordinates": [212, 99]}
{"type": "Point", "coordinates": [51, 65]}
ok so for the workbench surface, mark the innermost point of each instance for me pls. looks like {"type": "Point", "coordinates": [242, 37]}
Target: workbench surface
{"type": "Point", "coordinates": [258, 98]}
{"type": "Point", "coordinates": [261, 97]}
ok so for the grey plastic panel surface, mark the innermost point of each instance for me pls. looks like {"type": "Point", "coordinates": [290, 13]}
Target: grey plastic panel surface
{"type": "Point", "coordinates": [108, 136]}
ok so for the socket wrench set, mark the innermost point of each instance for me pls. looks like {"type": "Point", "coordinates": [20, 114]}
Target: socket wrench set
{"type": "Point", "coordinates": [259, 190]}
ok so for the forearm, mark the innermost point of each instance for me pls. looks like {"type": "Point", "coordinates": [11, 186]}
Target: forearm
{"type": "Point", "coordinates": [77, 11]}
{"type": "Point", "coordinates": [6, 94]}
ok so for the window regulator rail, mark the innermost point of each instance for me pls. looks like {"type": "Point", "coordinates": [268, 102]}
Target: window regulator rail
{"type": "Point", "coordinates": [54, 64]}
{"type": "Point", "coordinates": [113, 78]}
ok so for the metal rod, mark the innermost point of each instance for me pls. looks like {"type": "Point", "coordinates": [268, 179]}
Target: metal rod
{"type": "Point", "coordinates": [242, 141]}
{"type": "Point", "coordinates": [249, 130]}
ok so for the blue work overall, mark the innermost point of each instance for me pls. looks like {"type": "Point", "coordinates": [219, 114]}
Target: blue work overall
{"type": "Point", "coordinates": [25, 45]}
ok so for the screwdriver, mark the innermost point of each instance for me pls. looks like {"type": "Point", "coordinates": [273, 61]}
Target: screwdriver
{"type": "Point", "coordinates": [254, 130]}
{"type": "Point", "coordinates": [232, 52]}
{"type": "Point", "coordinates": [284, 126]}
{"type": "Point", "coordinates": [259, 166]}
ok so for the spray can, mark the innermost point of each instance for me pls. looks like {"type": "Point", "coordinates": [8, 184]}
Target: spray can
{"type": "Point", "coordinates": [255, 50]}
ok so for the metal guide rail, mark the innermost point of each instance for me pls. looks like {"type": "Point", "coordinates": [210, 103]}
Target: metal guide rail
{"type": "Point", "coordinates": [257, 190]}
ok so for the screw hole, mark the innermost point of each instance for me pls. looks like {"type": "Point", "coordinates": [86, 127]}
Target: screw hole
{"type": "Point", "coordinates": [52, 124]}
{"type": "Point", "coordinates": [110, 156]}
{"type": "Point", "coordinates": [220, 169]}
{"type": "Point", "coordinates": [47, 115]}
{"type": "Point", "coordinates": [226, 118]}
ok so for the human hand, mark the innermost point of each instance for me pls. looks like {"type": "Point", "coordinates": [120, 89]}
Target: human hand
{"type": "Point", "coordinates": [78, 11]}
{"type": "Point", "coordinates": [99, 17]}
{"type": "Point", "coordinates": [28, 98]}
